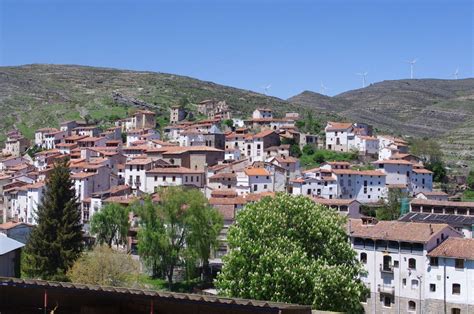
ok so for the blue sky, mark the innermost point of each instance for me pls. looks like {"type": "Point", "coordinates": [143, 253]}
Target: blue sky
{"type": "Point", "coordinates": [292, 45]}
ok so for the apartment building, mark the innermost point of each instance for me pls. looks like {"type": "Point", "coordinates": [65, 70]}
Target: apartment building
{"type": "Point", "coordinates": [172, 175]}
{"type": "Point", "coordinates": [396, 265]}
{"type": "Point", "coordinates": [449, 282]}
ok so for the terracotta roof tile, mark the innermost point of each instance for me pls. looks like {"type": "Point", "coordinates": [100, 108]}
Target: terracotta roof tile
{"type": "Point", "coordinates": [256, 172]}
{"type": "Point", "coordinates": [396, 230]}
{"type": "Point", "coordinates": [462, 248]}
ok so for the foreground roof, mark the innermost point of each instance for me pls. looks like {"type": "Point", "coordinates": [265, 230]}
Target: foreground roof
{"type": "Point", "coordinates": [81, 291]}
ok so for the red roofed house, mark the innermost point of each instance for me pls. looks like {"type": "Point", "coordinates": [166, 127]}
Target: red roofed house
{"type": "Point", "coordinates": [340, 136]}
{"type": "Point", "coordinates": [172, 175]}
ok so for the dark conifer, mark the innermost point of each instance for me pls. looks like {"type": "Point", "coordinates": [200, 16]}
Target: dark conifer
{"type": "Point", "coordinates": [56, 242]}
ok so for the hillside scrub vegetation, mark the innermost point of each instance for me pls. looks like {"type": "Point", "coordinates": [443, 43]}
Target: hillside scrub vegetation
{"type": "Point", "coordinates": [314, 157]}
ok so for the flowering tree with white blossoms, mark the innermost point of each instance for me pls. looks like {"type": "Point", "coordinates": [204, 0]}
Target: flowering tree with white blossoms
{"type": "Point", "coordinates": [289, 249]}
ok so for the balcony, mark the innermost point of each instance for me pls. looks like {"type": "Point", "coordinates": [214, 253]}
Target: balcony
{"type": "Point", "coordinates": [386, 289]}
{"type": "Point", "coordinates": [388, 269]}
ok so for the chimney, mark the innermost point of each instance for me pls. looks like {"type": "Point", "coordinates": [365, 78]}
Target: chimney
{"type": "Point", "coordinates": [85, 154]}
{"type": "Point", "coordinates": [431, 229]}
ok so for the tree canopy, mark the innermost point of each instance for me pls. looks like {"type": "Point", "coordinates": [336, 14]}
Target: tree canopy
{"type": "Point", "coordinates": [429, 151]}
{"type": "Point", "coordinates": [56, 242]}
{"type": "Point", "coordinates": [181, 225]}
{"type": "Point", "coordinates": [110, 225]}
{"type": "Point", "coordinates": [391, 210]}
{"type": "Point", "coordinates": [470, 180]}
{"type": "Point", "coordinates": [290, 249]}
{"type": "Point", "coordinates": [105, 266]}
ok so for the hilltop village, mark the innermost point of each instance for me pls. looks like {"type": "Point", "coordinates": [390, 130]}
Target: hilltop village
{"type": "Point", "coordinates": [427, 255]}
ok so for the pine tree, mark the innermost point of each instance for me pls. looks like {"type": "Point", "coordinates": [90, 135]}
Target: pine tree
{"type": "Point", "coordinates": [56, 242]}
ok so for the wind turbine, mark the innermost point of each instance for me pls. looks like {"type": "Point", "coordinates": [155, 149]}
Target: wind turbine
{"type": "Point", "coordinates": [323, 89]}
{"type": "Point", "coordinates": [412, 65]}
{"type": "Point", "coordinates": [455, 74]}
{"type": "Point", "coordinates": [364, 76]}
{"type": "Point", "coordinates": [266, 88]}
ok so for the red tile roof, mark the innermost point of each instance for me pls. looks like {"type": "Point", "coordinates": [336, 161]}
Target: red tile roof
{"type": "Point", "coordinates": [333, 126]}
{"type": "Point", "coordinates": [256, 172]}
{"type": "Point", "coordinates": [453, 247]}
{"type": "Point", "coordinates": [396, 230]}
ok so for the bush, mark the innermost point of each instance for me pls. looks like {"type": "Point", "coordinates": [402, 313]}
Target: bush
{"type": "Point", "coordinates": [105, 266]}
{"type": "Point", "coordinates": [308, 149]}
{"type": "Point", "coordinates": [295, 151]}
{"type": "Point", "coordinates": [470, 180]}
{"type": "Point", "coordinates": [321, 156]}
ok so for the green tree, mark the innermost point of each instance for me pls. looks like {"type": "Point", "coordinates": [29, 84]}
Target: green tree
{"type": "Point", "coordinates": [289, 249]}
{"type": "Point", "coordinates": [295, 151]}
{"type": "Point", "coordinates": [56, 242]}
{"type": "Point", "coordinates": [110, 225]}
{"type": "Point", "coordinates": [391, 209]}
{"type": "Point", "coordinates": [181, 225]}
{"type": "Point", "coordinates": [308, 149]}
{"type": "Point", "coordinates": [107, 267]}
{"type": "Point", "coordinates": [470, 180]}
{"type": "Point", "coordinates": [438, 169]}
{"type": "Point", "coordinates": [428, 150]}
{"type": "Point", "coordinates": [205, 224]}
{"type": "Point", "coordinates": [229, 123]}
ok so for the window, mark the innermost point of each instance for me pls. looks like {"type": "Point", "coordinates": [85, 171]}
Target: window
{"type": "Point", "coordinates": [411, 306]}
{"type": "Point", "coordinates": [456, 288]}
{"type": "Point", "coordinates": [174, 178]}
{"type": "Point", "coordinates": [387, 301]}
{"type": "Point", "coordinates": [434, 261]}
{"type": "Point", "coordinates": [363, 258]}
{"type": "Point", "coordinates": [265, 186]}
{"type": "Point", "coordinates": [459, 263]}
{"type": "Point", "coordinates": [455, 311]}
{"type": "Point", "coordinates": [404, 282]}
{"type": "Point", "coordinates": [432, 287]}
{"type": "Point", "coordinates": [156, 178]}
{"type": "Point", "coordinates": [197, 179]}
{"type": "Point", "coordinates": [164, 178]}
{"type": "Point", "coordinates": [412, 263]}
{"type": "Point", "coordinates": [255, 187]}
{"type": "Point", "coordinates": [414, 284]}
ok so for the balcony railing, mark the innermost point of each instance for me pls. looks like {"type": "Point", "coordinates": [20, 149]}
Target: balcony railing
{"type": "Point", "coordinates": [387, 289]}
{"type": "Point", "coordinates": [386, 269]}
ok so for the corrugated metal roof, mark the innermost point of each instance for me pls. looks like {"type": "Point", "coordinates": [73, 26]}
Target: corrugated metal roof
{"type": "Point", "coordinates": [15, 282]}
{"type": "Point", "coordinates": [8, 245]}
